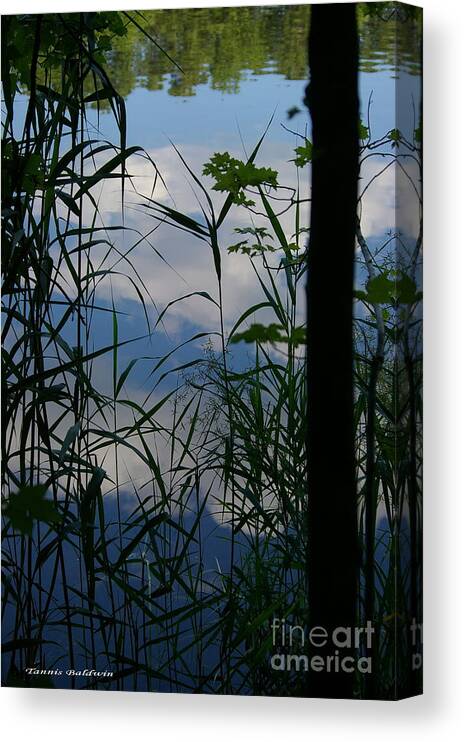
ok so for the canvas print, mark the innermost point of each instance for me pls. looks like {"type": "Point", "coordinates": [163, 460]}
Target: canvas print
{"type": "Point", "coordinates": [212, 349]}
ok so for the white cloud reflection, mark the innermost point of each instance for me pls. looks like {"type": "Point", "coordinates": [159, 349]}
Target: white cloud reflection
{"type": "Point", "coordinates": [189, 263]}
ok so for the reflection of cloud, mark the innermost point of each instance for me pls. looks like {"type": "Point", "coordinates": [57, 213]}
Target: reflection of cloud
{"type": "Point", "coordinates": [191, 266]}
{"type": "Point", "coordinates": [408, 207]}
{"type": "Point", "coordinates": [189, 263]}
{"type": "Point", "coordinates": [378, 202]}
{"type": "Point", "coordinates": [389, 201]}
{"type": "Point", "coordinates": [172, 263]}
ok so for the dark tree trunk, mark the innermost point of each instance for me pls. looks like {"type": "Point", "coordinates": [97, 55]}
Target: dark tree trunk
{"type": "Point", "coordinates": [333, 557]}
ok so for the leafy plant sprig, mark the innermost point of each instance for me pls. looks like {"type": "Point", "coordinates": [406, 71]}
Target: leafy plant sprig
{"type": "Point", "coordinates": [233, 176]}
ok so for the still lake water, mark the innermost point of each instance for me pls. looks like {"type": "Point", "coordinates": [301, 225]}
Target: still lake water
{"type": "Point", "coordinates": [241, 66]}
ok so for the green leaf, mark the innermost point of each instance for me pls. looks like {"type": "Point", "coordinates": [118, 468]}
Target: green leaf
{"type": "Point", "coordinates": [257, 333]}
{"type": "Point", "coordinates": [69, 201]}
{"type": "Point", "coordinates": [398, 289]}
{"type": "Point", "coordinates": [304, 154]}
{"type": "Point", "coordinates": [115, 350]}
{"type": "Point", "coordinates": [250, 310]}
{"type": "Point", "coordinates": [148, 526]}
{"type": "Point", "coordinates": [124, 375]}
{"type": "Point", "coordinates": [232, 176]}
{"type": "Point", "coordinates": [69, 439]}
{"type": "Point", "coordinates": [293, 111]}
{"type": "Point", "coordinates": [363, 130]}
{"type": "Point", "coordinates": [260, 233]}
{"type": "Point", "coordinates": [395, 137]}
{"type": "Point", "coordinates": [252, 250]}
{"type": "Point", "coordinates": [298, 335]}
{"type": "Point", "coordinates": [105, 170]}
{"type": "Point", "coordinates": [380, 289]}
{"type": "Point", "coordinates": [29, 505]}
{"type": "Point", "coordinates": [406, 290]}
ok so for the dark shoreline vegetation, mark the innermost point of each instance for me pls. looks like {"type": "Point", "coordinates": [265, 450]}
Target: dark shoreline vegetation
{"type": "Point", "coordinates": [171, 580]}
